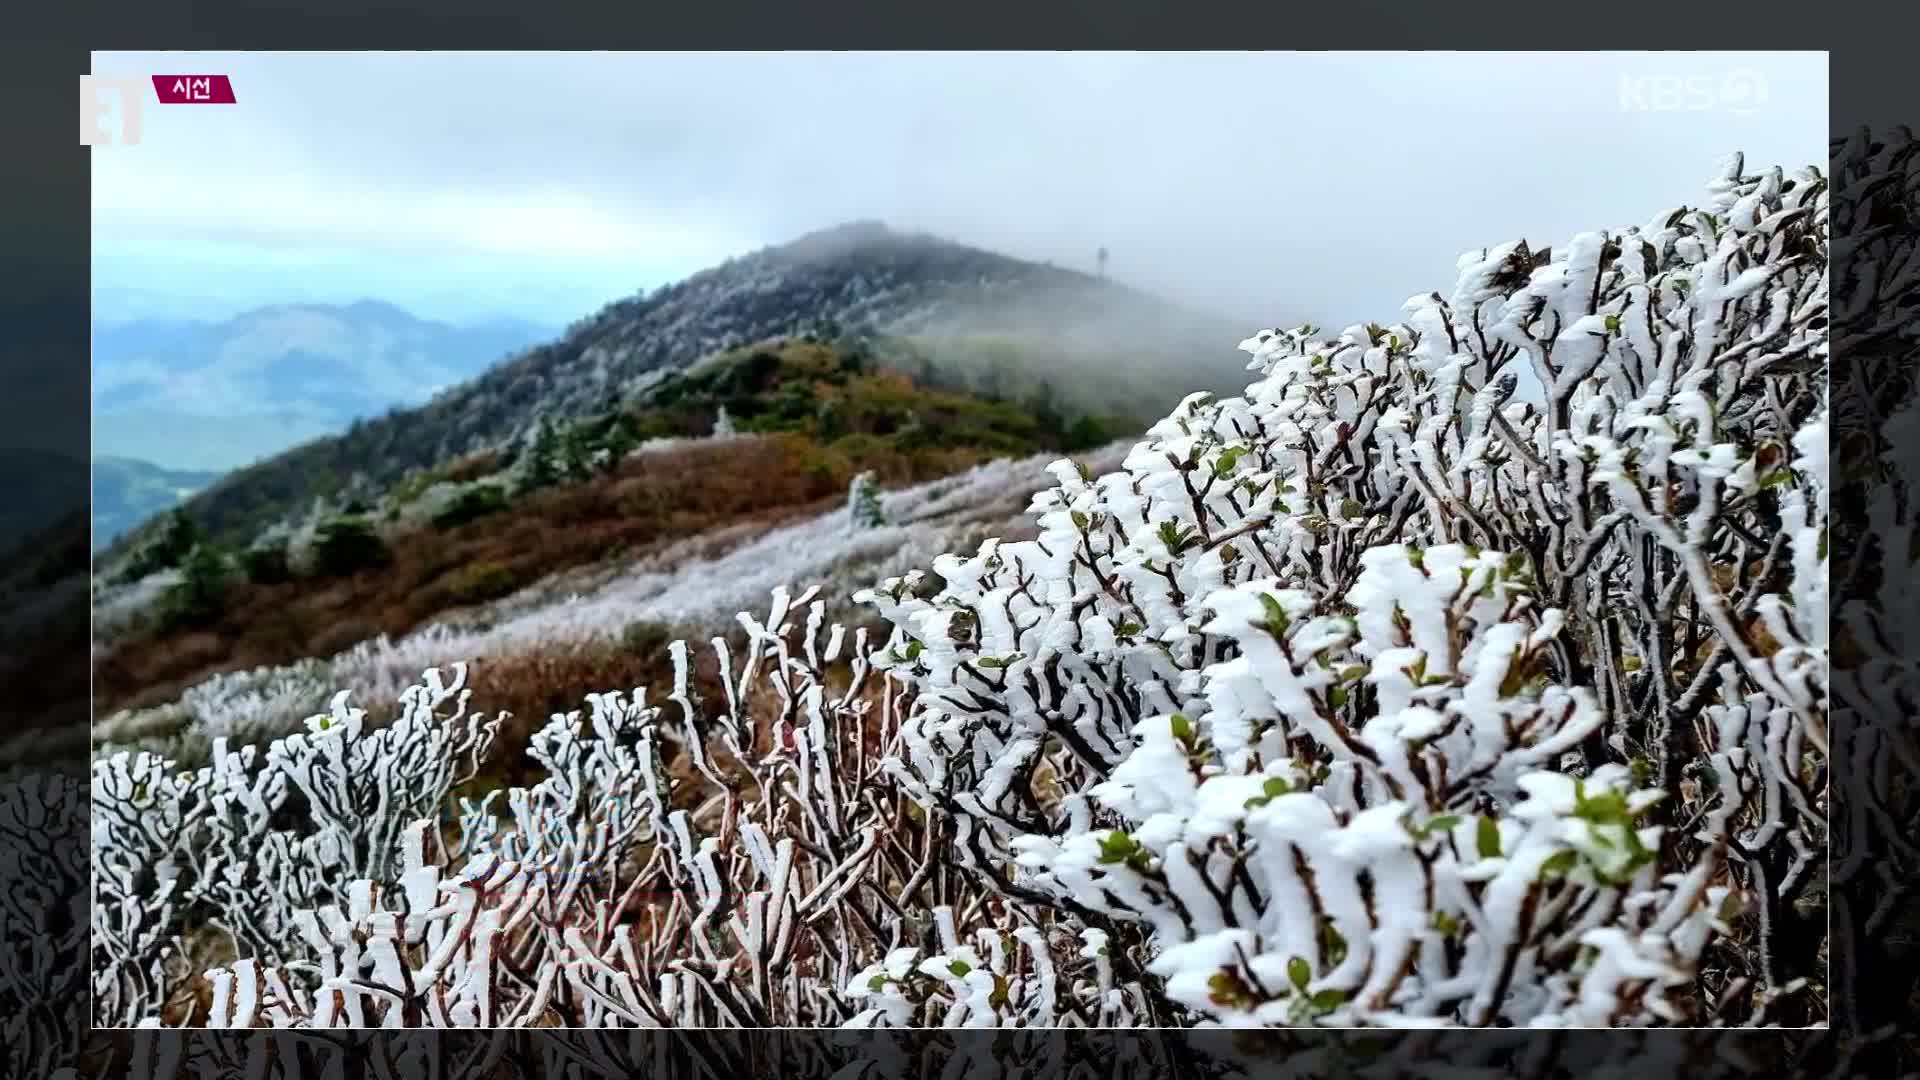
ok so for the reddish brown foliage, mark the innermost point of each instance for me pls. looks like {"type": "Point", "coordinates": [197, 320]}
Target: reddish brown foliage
{"type": "Point", "coordinates": [471, 467]}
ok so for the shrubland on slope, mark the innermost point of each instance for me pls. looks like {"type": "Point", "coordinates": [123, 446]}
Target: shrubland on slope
{"type": "Point", "coordinates": [1370, 696]}
{"type": "Point", "coordinates": [605, 496]}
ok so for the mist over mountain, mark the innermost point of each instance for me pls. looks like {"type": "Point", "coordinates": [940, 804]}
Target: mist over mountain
{"type": "Point", "coordinates": [1004, 326]}
{"type": "Point", "coordinates": [199, 395]}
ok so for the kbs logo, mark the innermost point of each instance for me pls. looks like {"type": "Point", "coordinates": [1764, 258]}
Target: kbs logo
{"type": "Point", "coordinates": [1740, 92]}
{"type": "Point", "coordinates": [130, 91]}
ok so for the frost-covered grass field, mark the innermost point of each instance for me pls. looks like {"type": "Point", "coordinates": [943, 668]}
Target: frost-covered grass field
{"type": "Point", "coordinates": [1374, 696]}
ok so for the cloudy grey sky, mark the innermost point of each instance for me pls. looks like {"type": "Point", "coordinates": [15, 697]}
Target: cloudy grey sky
{"type": "Point", "coordinates": [1273, 187]}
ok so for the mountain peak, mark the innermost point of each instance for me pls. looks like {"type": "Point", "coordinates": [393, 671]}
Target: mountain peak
{"type": "Point", "coordinates": [380, 309]}
{"type": "Point", "coordinates": [850, 238]}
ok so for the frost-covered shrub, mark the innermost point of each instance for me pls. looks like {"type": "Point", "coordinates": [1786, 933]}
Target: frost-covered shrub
{"type": "Point", "coordinates": [118, 608]}
{"type": "Point", "coordinates": [863, 503]}
{"type": "Point", "coordinates": [735, 863]}
{"type": "Point", "coordinates": [1381, 696]}
{"type": "Point", "coordinates": [239, 706]}
{"type": "Point", "coordinates": [244, 844]}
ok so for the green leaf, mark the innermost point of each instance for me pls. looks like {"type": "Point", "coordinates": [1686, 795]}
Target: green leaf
{"type": "Point", "coordinates": [998, 999]}
{"type": "Point", "coordinates": [1559, 864]}
{"type": "Point", "coordinates": [1276, 616]}
{"type": "Point", "coordinates": [960, 968]}
{"type": "Point", "coordinates": [878, 982]}
{"type": "Point", "coordinates": [1353, 672]}
{"type": "Point", "coordinates": [1274, 787]}
{"type": "Point", "coordinates": [1118, 847]}
{"type": "Point", "coordinates": [1227, 989]}
{"type": "Point", "coordinates": [1299, 973]}
{"type": "Point", "coordinates": [1613, 324]}
{"type": "Point", "coordinates": [1487, 838]}
{"type": "Point", "coordinates": [1639, 854]}
{"type": "Point", "coordinates": [1177, 538]}
{"type": "Point", "coordinates": [1128, 629]}
{"type": "Point", "coordinates": [1515, 681]}
{"type": "Point", "coordinates": [1329, 999]}
{"type": "Point", "coordinates": [1443, 823]}
{"type": "Point", "coordinates": [1079, 520]}
{"type": "Point", "coordinates": [1337, 696]}
{"type": "Point", "coordinates": [1182, 727]}
{"type": "Point", "coordinates": [1336, 944]}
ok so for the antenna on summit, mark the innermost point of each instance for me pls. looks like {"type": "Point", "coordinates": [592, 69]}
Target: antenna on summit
{"type": "Point", "coordinates": [1103, 262]}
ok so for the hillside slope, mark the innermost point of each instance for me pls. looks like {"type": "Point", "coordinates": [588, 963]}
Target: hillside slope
{"type": "Point", "coordinates": [811, 417]}
{"type": "Point", "coordinates": [864, 278]}
{"type": "Point", "coordinates": [602, 623]}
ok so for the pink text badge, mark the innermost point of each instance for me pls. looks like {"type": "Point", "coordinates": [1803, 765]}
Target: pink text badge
{"type": "Point", "coordinates": [193, 89]}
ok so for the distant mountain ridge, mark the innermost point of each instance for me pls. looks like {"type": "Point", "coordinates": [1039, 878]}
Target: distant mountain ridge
{"type": "Point", "coordinates": [127, 492]}
{"type": "Point", "coordinates": [865, 274]}
{"type": "Point", "coordinates": [217, 395]}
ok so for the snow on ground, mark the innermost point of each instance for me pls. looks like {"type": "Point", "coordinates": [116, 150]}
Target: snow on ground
{"type": "Point", "coordinates": [699, 584]}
